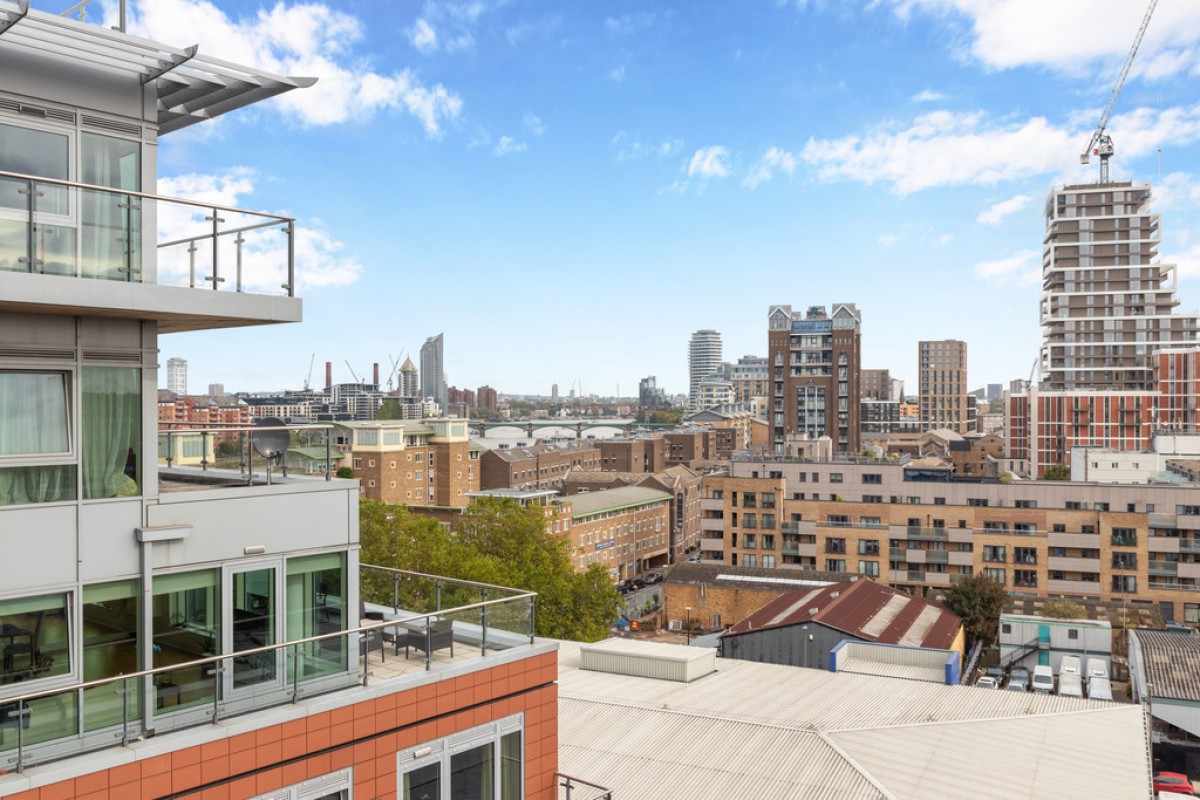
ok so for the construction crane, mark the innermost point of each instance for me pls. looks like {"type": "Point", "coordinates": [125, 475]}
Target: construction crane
{"type": "Point", "coordinates": [392, 374]}
{"type": "Point", "coordinates": [1101, 143]}
{"type": "Point", "coordinates": [353, 373]}
{"type": "Point", "coordinates": [308, 378]}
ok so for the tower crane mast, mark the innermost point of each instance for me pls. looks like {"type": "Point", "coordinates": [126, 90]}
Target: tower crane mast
{"type": "Point", "coordinates": [1101, 143]}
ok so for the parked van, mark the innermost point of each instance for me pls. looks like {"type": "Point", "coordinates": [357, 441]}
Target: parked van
{"type": "Point", "coordinates": [1070, 684]}
{"type": "Point", "coordinates": [1043, 679]}
{"type": "Point", "coordinates": [1099, 688]}
{"type": "Point", "coordinates": [1070, 665]}
{"type": "Point", "coordinates": [1097, 668]}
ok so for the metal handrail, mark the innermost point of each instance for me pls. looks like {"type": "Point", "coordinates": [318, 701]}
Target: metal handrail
{"type": "Point", "coordinates": [145, 195]}
{"type": "Point", "coordinates": [287, 224]}
{"type": "Point", "coordinates": [205, 430]}
{"type": "Point", "coordinates": [21, 701]}
{"type": "Point", "coordinates": [569, 781]}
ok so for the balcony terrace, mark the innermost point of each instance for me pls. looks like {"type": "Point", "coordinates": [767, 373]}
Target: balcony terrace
{"type": "Point", "coordinates": [186, 264]}
{"type": "Point", "coordinates": [417, 628]}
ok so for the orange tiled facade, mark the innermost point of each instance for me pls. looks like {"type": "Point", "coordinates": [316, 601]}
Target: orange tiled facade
{"type": "Point", "coordinates": [364, 737]}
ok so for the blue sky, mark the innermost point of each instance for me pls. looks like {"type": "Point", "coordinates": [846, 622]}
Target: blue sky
{"type": "Point", "coordinates": [568, 190]}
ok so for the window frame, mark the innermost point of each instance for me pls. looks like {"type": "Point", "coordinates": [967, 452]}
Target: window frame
{"type": "Point", "coordinates": [71, 390]}
{"type": "Point", "coordinates": [440, 751]}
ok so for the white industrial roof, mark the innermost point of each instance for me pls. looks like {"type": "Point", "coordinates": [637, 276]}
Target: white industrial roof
{"type": "Point", "coordinates": [768, 731]}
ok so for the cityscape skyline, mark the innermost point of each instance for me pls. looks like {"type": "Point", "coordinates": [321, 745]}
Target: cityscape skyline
{"type": "Point", "coordinates": [634, 159]}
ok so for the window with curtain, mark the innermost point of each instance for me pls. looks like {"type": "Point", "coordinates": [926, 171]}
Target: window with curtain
{"type": "Point", "coordinates": [112, 431]}
{"type": "Point", "coordinates": [35, 424]}
{"type": "Point", "coordinates": [110, 222]}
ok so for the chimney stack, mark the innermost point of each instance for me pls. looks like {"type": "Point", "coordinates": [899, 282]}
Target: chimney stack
{"type": "Point", "coordinates": [328, 375]}
{"type": "Point", "coordinates": [376, 373]}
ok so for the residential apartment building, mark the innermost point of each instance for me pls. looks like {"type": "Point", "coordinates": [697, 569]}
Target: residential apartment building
{"type": "Point", "coordinates": [634, 454]}
{"type": "Point", "coordinates": [911, 526]}
{"type": "Point", "coordinates": [177, 375]}
{"type": "Point", "coordinates": [815, 365]}
{"type": "Point", "coordinates": [1106, 305]}
{"type": "Point", "coordinates": [704, 358]}
{"type": "Point", "coordinates": [875, 384]}
{"type": "Point", "coordinates": [181, 632]}
{"type": "Point", "coordinates": [539, 466]}
{"type": "Point", "coordinates": [625, 529]}
{"type": "Point", "coordinates": [410, 381]}
{"type": "Point", "coordinates": [751, 379]}
{"type": "Point", "coordinates": [1115, 356]}
{"type": "Point", "coordinates": [942, 379]}
{"type": "Point", "coordinates": [713, 390]}
{"type": "Point", "coordinates": [430, 462]}
{"type": "Point", "coordinates": [433, 376]}
{"type": "Point", "coordinates": [486, 398]}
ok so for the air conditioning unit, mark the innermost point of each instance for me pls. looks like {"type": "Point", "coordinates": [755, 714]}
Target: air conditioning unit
{"type": "Point", "coordinates": [675, 625]}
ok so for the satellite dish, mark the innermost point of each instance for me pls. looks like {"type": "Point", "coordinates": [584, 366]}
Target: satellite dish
{"type": "Point", "coordinates": [271, 444]}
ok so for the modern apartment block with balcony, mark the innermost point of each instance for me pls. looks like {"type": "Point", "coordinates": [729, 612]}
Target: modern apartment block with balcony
{"type": "Point", "coordinates": [912, 527]}
{"type": "Point", "coordinates": [190, 631]}
{"type": "Point", "coordinates": [1108, 315]}
{"type": "Point", "coordinates": [815, 363]}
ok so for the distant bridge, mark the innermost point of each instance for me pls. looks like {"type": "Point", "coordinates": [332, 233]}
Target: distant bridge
{"type": "Point", "coordinates": [579, 426]}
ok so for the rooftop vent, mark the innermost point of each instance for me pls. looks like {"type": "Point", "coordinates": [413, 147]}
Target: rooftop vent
{"type": "Point", "coordinates": [668, 662]}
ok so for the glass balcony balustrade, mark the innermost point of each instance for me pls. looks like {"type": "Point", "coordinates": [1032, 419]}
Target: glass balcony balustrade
{"type": "Point", "coordinates": [60, 227]}
{"type": "Point", "coordinates": [401, 611]}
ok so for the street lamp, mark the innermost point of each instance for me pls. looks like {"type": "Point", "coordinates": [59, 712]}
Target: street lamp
{"type": "Point", "coordinates": [688, 624]}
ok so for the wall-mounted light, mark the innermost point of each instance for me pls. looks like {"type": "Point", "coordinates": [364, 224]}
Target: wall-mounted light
{"type": "Point", "coordinates": [254, 550]}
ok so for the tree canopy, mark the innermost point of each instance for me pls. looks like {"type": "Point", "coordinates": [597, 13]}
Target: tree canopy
{"type": "Point", "coordinates": [500, 542]}
{"type": "Point", "coordinates": [1056, 472]}
{"type": "Point", "coordinates": [978, 601]}
{"type": "Point", "coordinates": [389, 409]}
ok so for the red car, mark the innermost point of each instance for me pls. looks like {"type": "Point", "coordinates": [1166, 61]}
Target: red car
{"type": "Point", "coordinates": [1172, 782]}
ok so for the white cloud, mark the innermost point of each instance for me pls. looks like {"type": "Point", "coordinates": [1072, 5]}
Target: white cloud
{"type": "Point", "coordinates": [709, 162]}
{"type": "Point", "coordinates": [1176, 191]}
{"type": "Point", "coordinates": [423, 36]}
{"type": "Point", "coordinates": [888, 239]}
{"type": "Point", "coordinates": [1021, 269]}
{"type": "Point", "coordinates": [1077, 37]}
{"type": "Point", "coordinates": [998, 211]}
{"type": "Point", "coordinates": [1187, 262]}
{"type": "Point", "coordinates": [507, 146]}
{"type": "Point", "coordinates": [928, 96]}
{"type": "Point", "coordinates": [630, 148]}
{"type": "Point", "coordinates": [533, 123]}
{"type": "Point", "coordinates": [945, 148]}
{"type": "Point", "coordinates": [309, 39]}
{"type": "Point", "coordinates": [319, 258]}
{"type": "Point", "coordinates": [617, 75]}
{"type": "Point", "coordinates": [774, 160]}
{"type": "Point", "coordinates": [627, 24]}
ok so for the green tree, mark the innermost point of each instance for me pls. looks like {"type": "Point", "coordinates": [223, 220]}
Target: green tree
{"type": "Point", "coordinates": [666, 417]}
{"type": "Point", "coordinates": [499, 542]}
{"type": "Point", "coordinates": [1063, 609]}
{"type": "Point", "coordinates": [1056, 472]}
{"type": "Point", "coordinates": [978, 601]}
{"type": "Point", "coordinates": [345, 472]}
{"type": "Point", "coordinates": [390, 409]}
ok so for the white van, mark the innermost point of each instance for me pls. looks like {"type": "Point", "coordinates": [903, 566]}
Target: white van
{"type": "Point", "coordinates": [1069, 665]}
{"type": "Point", "coordinates": [1043, 679]}
{"type": "Point", "coordinates": [1099, 688]}
{"type": "Point", "coordinates": [1097, 668]}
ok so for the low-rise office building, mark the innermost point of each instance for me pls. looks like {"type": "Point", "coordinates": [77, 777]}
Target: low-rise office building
{"type": "Point", "coordinates": [626, 529]}
{"type": "Point", "coordinates": [680, 482]}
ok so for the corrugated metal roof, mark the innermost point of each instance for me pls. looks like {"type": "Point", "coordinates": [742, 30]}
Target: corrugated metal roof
{"type": "Point", "coordinates": [1171, 663]}
{"type": "Point", "coordinates": [909, 672]}
{"type": "Point", "coordinates": [860, 608]}
{"type": "Point", "coordinates": [768, 731]}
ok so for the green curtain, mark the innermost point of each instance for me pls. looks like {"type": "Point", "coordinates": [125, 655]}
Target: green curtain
{"type": "Point", "coordinates": [112, 422]}
{"type": "Point", "coordinates": [34, 421]}
{"type": "Point", "coordinates": [109, 221]}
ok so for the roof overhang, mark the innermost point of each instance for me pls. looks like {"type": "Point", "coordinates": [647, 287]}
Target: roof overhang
{"type": "Point", "coordinates": [190, 87]}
